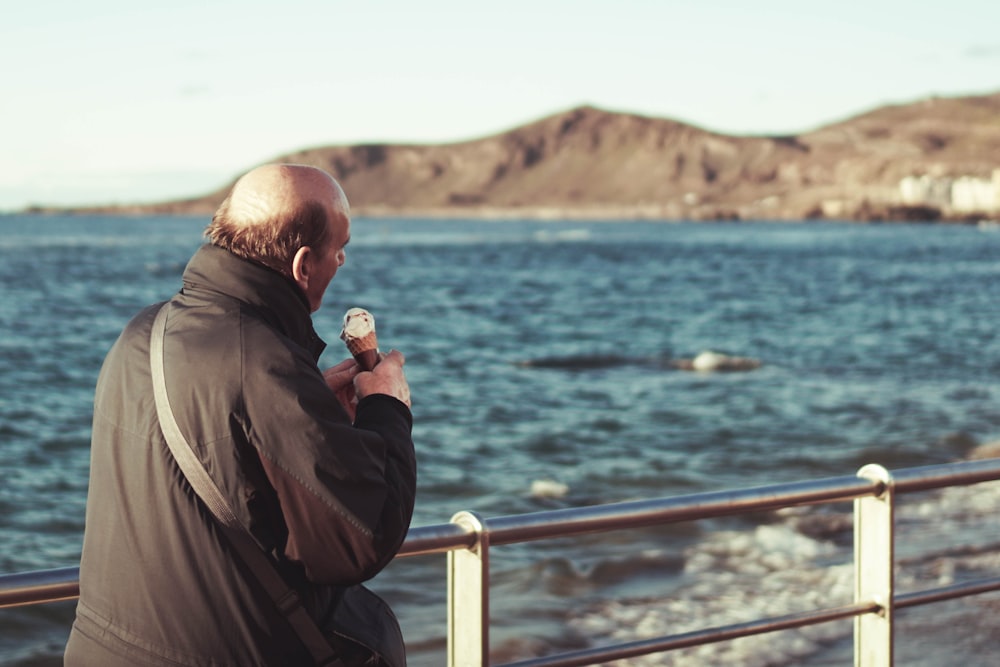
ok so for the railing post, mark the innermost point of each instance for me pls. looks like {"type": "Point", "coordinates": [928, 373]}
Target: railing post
{"type": "Point", "coordinates": [873, 570]}
{"type": "Point", "coordinates": [469, 597]}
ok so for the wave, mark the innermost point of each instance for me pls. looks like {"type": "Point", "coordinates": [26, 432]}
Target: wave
{"type": "Point", "coordinates": [580, 362]}
{"type": "Point", "coordinates": [548, 488]}
{"type": "Point", "coordinates": [800, 559]}
{"type": "Point", "coordinates": [707, 361]}
{"type": "Point", "coordinates": [710, 361]}
{"type": "Point", "coordinates": [548, 236]}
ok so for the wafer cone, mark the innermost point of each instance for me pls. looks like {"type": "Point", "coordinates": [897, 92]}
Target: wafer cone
{"type": "Point", "coordinates": [365, 350]}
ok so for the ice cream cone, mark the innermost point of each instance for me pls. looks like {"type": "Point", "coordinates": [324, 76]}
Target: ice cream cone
{"type": "Point", "coordinates": [359, 335]}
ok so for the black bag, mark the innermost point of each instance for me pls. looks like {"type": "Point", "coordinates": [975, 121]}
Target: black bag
{"type": "Point", "coordinates": [361, 626]}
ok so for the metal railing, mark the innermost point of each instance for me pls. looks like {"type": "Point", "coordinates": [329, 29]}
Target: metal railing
{"type": "Point", "coordinates": [468, 538]}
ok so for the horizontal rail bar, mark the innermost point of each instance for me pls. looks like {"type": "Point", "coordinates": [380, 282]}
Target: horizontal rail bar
{"type": "Point", "coordinates": [436, 539]}
{"type": "Point", "coordinates": [39, 586]}
{"type": "Point", "coordinates": [641, 513]}
{"type": "Point", "coordinates": [603, 654]}
{"type": "Point", "coordinates": [54, 585]}
{"type": "Point", "coordinates": [723, 633]}
{"type": "Point", "coordinates": [943, 593]}
{"type": "Point", "coordinates": [962, 473]}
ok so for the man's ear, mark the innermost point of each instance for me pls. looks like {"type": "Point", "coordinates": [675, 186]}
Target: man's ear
{"type": "Point", "coordinates": [301, 269]}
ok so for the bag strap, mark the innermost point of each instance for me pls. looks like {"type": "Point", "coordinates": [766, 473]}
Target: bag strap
{"type": "Point", "coordinates": [285, 598]}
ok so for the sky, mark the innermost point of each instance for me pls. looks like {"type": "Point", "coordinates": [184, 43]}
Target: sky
{"type": "Point", "coordinates": [118, 101]}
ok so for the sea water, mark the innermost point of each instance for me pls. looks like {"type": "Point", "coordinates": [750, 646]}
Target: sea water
{"type": "Point", "coordinates": [542, 362]}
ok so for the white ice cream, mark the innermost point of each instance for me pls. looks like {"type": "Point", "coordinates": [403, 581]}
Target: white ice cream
{"type": "Point", "coordinates": [358, 323]}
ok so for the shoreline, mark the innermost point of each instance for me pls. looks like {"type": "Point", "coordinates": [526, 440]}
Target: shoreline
{"type": "Point", "coordinates": [611, 214]}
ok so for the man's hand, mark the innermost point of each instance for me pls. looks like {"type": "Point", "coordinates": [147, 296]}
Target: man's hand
{"type": "Point", "coordinates": [386, 378]}
{"type": "Point", "coordinates": [340, 380]}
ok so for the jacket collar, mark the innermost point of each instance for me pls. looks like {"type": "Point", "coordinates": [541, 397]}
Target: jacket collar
{"type": "Point", "coordinates": [277, 298]}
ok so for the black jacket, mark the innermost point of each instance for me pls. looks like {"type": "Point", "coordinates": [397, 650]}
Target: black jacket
{"type": "Point", "coordinates": [331, 501]}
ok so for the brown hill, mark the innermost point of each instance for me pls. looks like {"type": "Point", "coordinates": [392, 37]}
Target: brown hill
{"type": "Point", "coordinates": [587, 162]}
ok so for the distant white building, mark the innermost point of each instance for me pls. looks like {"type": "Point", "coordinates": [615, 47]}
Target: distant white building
{"type": "Point", "coordinates": [921, 190]}
{"type": "Point", "coordinates": [973, 194]}
{"type": "Point", "coordinates": [964, 194]}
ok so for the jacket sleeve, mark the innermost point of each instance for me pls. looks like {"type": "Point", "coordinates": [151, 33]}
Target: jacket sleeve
{"type": "Point", "coordinates": [346, 491]}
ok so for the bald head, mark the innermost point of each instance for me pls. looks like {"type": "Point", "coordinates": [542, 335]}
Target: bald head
{"type": "Point", "coordinates": [275, 191]}
{"type": "Point", "coordinates": [275, 210]}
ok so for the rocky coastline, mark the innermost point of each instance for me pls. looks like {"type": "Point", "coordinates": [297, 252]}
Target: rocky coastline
{"type": "Point", "coordinates": [594, 164]}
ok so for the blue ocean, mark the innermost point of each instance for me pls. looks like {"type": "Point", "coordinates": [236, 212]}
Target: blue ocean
{"type": "Point", "coordinates": [543, 362]}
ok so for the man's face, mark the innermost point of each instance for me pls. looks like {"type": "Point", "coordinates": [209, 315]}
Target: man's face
{"type": "Point", "coordinates": [328, 259]}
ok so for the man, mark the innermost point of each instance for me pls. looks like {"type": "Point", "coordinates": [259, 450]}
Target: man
{"type": "Point", "coordinates": [319, 466]}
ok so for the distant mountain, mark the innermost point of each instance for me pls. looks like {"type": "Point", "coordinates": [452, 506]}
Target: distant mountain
{"type": "Point", "coordinates": [593, 163]}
